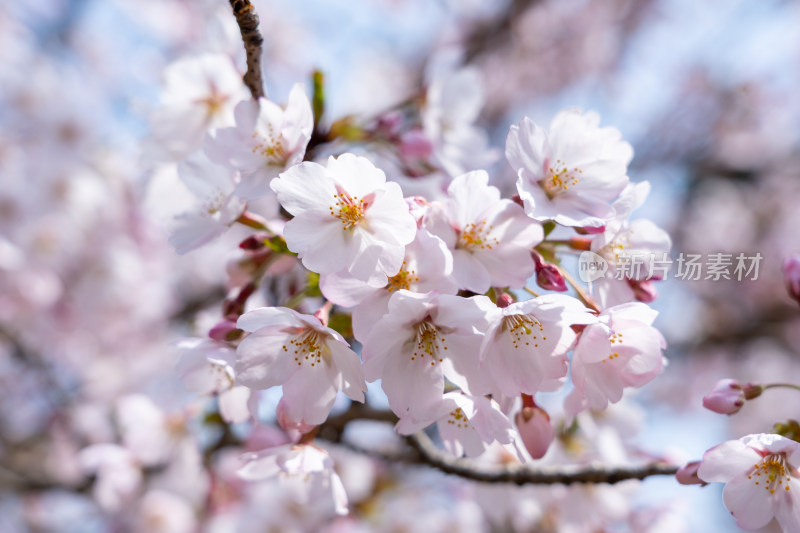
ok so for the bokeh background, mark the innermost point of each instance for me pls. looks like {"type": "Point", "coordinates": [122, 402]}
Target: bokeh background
{"type": "Point", "coordinates": [91, 294]}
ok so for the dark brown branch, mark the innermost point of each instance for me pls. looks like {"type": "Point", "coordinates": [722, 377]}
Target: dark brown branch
{"type": "Point", "coordinates": [494, 34]}
{"type": "Point", "coordinates": [523, 475]}
{"type": "Point", "coordinates": [428, 454]}
{"type": "Point", "coordinates": [247, 19]}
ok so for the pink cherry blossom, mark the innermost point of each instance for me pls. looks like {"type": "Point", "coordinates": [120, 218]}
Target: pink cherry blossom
{"type": "Point", "coordinates": [761, 479]}
{"type": "Point", "coordinates": [525, 347]}
{"type": "Point", "coordinates": [467, 424]}
{"type": "Point", "coordinates": [423, 339]}
{"type": "Point", "coordinates": [266, 141]}
{"type": "Point", "coordinates": [206, 367]}
{"type": "Point", "coordinates": [620, 350]}
{"type": "Point", "coordinates": [490, 237]}
{"type": "Point", "coordinates": [216, 206]}
{"type": "Point", "coordinates": [453, 102]}
{"type": "Point", "coordinates": [305, 473]}
{"type": "Point", "coordinates": [427, 266]}
{"type": "Point", "coordinates": [199, 94]}
{"type": "Point", "coordinates": [572, 172]}
{"type": "Point", "coordinates": [311, 361]}
{"type": "Point", "coordinates": [347, 218]}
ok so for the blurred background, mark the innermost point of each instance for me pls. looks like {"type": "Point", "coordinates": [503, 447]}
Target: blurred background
{"type": "Point", "coordinates": [91, 294]}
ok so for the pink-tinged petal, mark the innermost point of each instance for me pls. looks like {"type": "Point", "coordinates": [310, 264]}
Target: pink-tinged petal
{"type": "Point", "coordinates": [464, 205]}
{"type": "Point", "coordinates": [233, 405]}
{"type": "Point", "coordinates": [409, 425]}
{"type": "Point", "coordinates": [469, 272]}
{"type": "Point", "coordinates": [309, 394]}
{"type": "Point", "coordinates": [369, 313]}
{"type": "Point", "coordinates": [268, 317]}
{"type": "Point", "coordinates": [320, 243]}
{"type": "Point", "coordinates": [724, 461]}
{"type": "Point", "coordinates": [750, 504]}
{"type": "Point", "coordinates": [305, 188]}
{"type": "Point", "coordinates": [356, 174]}
{"type": "Point", "coordinates": [349, 365]}
{"type": "Point", "coordinates": [414, 385]}
{"type": "Point", "coordinates": [389, 217]}
{"type": "Point", "coordinates": [788, 506]}
{"type": "Point", "coordinates": [345, 290]}
{"type": "Point", "coordinates": [298, 119]}
{"type": "Point", "coordinates": [261, 361]}
{"type": "Point", "coordinates": [460, 438]}
{"type": "Point", "coordinates": [525, 145]}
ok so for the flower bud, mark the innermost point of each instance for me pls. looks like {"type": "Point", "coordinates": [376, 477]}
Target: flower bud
{"type": "Point", "coordinates": [728, 396]}
{"type": "Point", "coordinates": [414, 144]}
{"type": "Point", "coordinates": [225, 330]}
{"type": "Point", "coordinates": [292, 427]}
{"type": "Point", "coordinates": [687, 474]}
{"type": "Point", "coordinates": [548, 276]}
{"type": "Point", "coordinates": [643, 290]}
{"type": "Point", "coordinates": [535, 429]}
{"type": "Point", "coordinates": [791, 273]}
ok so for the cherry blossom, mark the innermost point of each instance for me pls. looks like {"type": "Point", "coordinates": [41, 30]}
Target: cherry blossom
{"type": "Point", "coordinates": [423, 339]}
{"type": "Point", "coordinates": [467, 424]}
{"type": "Point", "coordinates": [311, 361]}
{"type": "Point", "coordinates": [761, 479]}
{"type": "Point", "coordinates": [206, 367]}
{"type": "Point", "coordinates": [217, 207]}
{"type": "Point", "coordinates": [453, 102]}
{"type": "Point", "coordinates": [620, 350]}
{"type": "Point", "coordinates": [490, 237]}
{"type": "Point", "coordinates": [199, 94]}
{"type": "Point", "coordinates": [347, 218]}
{"type": "Point", "coordinates": [265, 141]}
{"type": "Point", "coordinates": [305, 472]}
{"type": "Point", "coordinates": [427, 266]}
{"type": "Point", "coordinates": [572, 172]}
{"type": "Point", "coordinates": [525, 346]}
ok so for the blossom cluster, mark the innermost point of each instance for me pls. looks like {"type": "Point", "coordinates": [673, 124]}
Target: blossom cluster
{"type": "Point", "coordinates": [426, 293]}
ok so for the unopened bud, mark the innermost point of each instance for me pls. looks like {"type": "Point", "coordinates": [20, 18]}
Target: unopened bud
{"type": "Point", "coordinates": [504, 300]}
{"type": "Point", "coordinates": [535, 429]}
{"type": "Point", "coordinates": [548, 276]}
{"type": "Point", "coordinates": [414, 144]}
{"type": "Point", "coordinates": [791, 273]}
{"type": "Point", "coordinates": [687, 474]}
{"type": "Point", "coordinates": [728, 396]}
{"type": "Point", "coordinates": [590, 230]}
{"type": "Point", "coordinates": [225, 330]}
{"type": "Point", "coordinates": [643, 290]}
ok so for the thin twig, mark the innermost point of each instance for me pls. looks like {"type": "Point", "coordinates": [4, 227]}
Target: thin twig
{"type": "Point", "coordinates": [247, 19]}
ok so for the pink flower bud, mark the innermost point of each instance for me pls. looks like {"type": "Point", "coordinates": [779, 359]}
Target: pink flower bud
{"type": "Point", "coordinates": [643, 290]}
{"type": "Point", "coordinates": [548, 276]}
{"type": "Point", "coordinates": [726, 398]}
{"type": "Point", "coordinates": [535, 429]}
{"type": "Point", "coordinates": [687, 474]}
{"type": "Point", "coordinates": [590, 230]}
{"type": "Point", "coordinates": [791, 272]}
{"type": "Point", "coordinates": [225, 330]}
{"type": "Point", "coordinates": [504, 300]}
{"type": "Point", "coordinates": [415, 144]}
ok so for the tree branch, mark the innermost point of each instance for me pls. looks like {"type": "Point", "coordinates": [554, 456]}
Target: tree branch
{"type": "Point", "coordinates": [428, 454]}
{"type": "Point", "coordinates": [247, 19]}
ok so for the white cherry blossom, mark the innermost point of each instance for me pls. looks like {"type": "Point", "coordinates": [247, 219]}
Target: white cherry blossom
{"type": "Point", "coordinates": [572, 172]}
{"type": "Point", "coordinates": [490, 237]}
{"type": "Point", "coordinates": [525, 347]}
{"type": "Point", "coordinates": [311, 362]}
{"type": "Point", "coordinates": [266, 140]}
{"type": "Point", "coordinates": [423, 339]}
{"type": "Point", "coordinates": [347, 218]}
{"type": "Point", "coordinates": [622, 349]}
{"type": "Point", "coordinates": [761, 479]}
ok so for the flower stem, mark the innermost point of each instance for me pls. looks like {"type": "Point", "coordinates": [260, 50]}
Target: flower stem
{"type": "Point", "coordinates": [579, 291]}
{"type": "Point", "coordinates": [782, 386]}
